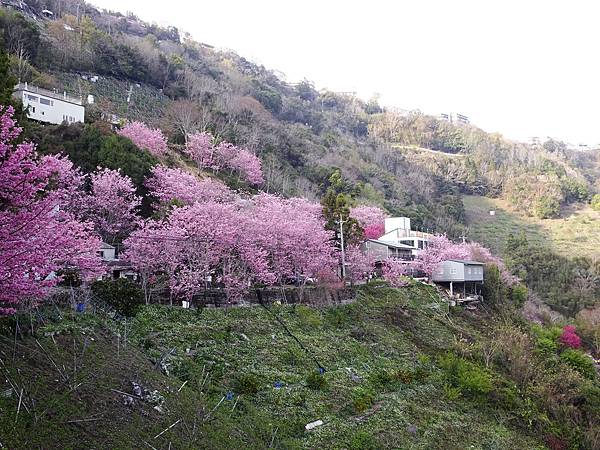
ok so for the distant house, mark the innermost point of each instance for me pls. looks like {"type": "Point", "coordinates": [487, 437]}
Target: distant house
{"type": "Point", "coordinates": [398, 242]}
{"type": "Point", "coordinates": [384, 250]}
{"type": "Point", "coordinates": [398, 232]}
{"type": "Point", "coordinates": [117, 268]}
{"type": "Point", "coordinates": [48, 106]}
{"type": "Point", "coordinates": [461, 277]}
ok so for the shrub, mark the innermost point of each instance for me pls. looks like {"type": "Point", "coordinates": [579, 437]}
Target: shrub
{"type": "Point", "coordinates": [596, 202]}
{"type": "Point", "coordinates": [246, 383]}
{"type": "Point", "coordinates": [316, 381]}
{"type": "Point", "coordinates": [569, 338]}
{"type": "Point", "coordinates": [363, 440]}
{"type": "Point", "coordinates": [125, 296]}
{"type": "Point", "coordinates": [546, 207]}
{"type": "Point", "coordinates": [362, 399]}
{"type": "Point", "coordinates": [518, 294]}
{"type": "Point", "coordinates": [468, 377]}
{"type": "Point", "coordinates": [579, 361]}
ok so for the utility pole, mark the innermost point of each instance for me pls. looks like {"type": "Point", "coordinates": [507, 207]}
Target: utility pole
{"type": "Point", "coordinates": [342, 243]}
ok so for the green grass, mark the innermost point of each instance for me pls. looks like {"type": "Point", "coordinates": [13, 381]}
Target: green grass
{"type": "Point", "coordinates": [576, 233]}
{"type": "Point", "coordinates": [383, 386]}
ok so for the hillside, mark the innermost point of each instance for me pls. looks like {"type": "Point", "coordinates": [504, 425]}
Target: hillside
{"type": "Point", "coordinates": [576, 233]}
{"type": "Point", "coordinates": [399, 372]}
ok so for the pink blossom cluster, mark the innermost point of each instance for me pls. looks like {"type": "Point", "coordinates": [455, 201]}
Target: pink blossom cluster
{"type": "Point", "coordinates": [394, 272]}
{"type": "Point", "coordinates": [224, 156]}
{"type": "Point", "coordinates": [265, 240]}
{"type": "Point", "coordinates": [144, 137]}
{"type": "Point", "coordinates": [111, 205]}
{"type": "Point", "coordinates": [371, 219]}
{"type": "Point", "coordinates": [37, 237]}
{"type": "Point", "coordinates": [569, 337]}
{"type": "Point", "coordinates": [168, 185]}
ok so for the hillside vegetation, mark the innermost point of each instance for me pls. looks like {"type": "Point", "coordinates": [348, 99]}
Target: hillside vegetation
{"type": "Point", "coordinates": [577, 233]}
{"type": "Point", "coordinates": [400, 372]}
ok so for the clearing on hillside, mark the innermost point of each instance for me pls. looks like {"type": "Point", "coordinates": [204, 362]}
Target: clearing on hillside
{"type": "Point", "coordinates": [576, 233]}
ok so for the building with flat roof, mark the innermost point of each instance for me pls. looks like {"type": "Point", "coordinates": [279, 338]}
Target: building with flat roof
{"type": "Point", "coordinates": [48, 106]}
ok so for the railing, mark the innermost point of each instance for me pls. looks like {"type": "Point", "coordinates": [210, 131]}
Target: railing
{"type": "Point", "coordinates": [48, 93]}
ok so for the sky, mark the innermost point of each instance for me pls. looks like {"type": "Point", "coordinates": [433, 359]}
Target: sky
{"type": "Point", "coordinates": [522, 68]}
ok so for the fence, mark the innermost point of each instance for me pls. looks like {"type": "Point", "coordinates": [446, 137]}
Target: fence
{"type": "Point", "coordinates": [310, 295]}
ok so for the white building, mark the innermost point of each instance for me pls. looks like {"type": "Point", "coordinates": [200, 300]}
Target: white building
{"type": "Point", "coordinates": [399, 240]}
{"type": "Point", "coordinates": [48, 106]}
{"type": "Point", "coordinates": [398, 232]}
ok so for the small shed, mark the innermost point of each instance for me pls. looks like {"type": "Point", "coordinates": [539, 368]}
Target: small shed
{"type": "Point", "coordinates": [467, 276]}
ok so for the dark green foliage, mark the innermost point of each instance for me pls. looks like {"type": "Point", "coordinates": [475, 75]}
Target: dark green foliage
{"type": "Point", "coordinates": [559, 281]}
{"type": "Point", "coordinates": [122, 294]}
{"type": "Point", "coordinates": [363, 440]}
{"type": "Point", "coordinates": [518, 294]}
{"type": "Point", "coordinates": [315, 380]}
{"type": "Point", "coordinates": [579, 361]}
{"type": "Point", "coordinates": [95, 145]}
{"type": "Point", "coordinates": [7, 82]}
{"type": "Point", "coordinates": [546, 207]}
{"type": "Point", "coordinates": [246, 383]}
{"type": "Point", "coordinates": [269, 97]}
{"type": "Point", "coordinates": [469, 378]}
{"type": "Point", "coordinates": [362, 399]}
{"type": "Point", "coordinates": [494, 291]}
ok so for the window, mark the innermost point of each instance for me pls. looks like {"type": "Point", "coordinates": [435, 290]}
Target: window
{"type": "Point", "coordinates": [32, 98]}
{"type": "Point", "coordinates": [453, 271]}
{"type": "Point", "coordinates": [45, 101]}
{"type": "Point", "coordinates": [33, 109]}
{"type": "Point", "coordinates": [468, 271]}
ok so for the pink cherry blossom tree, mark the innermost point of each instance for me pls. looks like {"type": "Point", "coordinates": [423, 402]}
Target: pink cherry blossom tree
{"type": "Point", "coordinates": [38, 238]}
{"type": "Point", "coordinates": [371, 219]}
{"type": "Point", "coordinates": [439, 249]}
{"type": "Point", "coordinates": [263, 240]}
{"type": "Point", "coordinates": [111, 205]}
{"type": "Point", "coordinates": [176, 185]}
{"type": "Point", "coordinates": [394, 272]}
{"type": "Point", "coordinates": [224, 156]}
{"type": "Point", "coordinates": [199, 147]}
{"type": "Point", "coordinates": [144, 137]}
{"type": "Point", "coordinates": [359, 264]}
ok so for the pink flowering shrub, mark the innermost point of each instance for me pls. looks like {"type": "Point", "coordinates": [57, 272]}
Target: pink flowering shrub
{"type": "Point", "coordinates": [569, 338]}
{"type": "Point", "coordinates": [145, 137]}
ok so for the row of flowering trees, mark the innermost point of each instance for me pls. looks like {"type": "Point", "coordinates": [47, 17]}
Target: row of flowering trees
{"type": "Point", "coordinates": [234, 241]}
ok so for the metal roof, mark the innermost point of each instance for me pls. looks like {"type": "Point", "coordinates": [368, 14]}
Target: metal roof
{"type": "Point", "coordinates": [464, 261]}
{"type": "Point", "coordinates": [389, 244]}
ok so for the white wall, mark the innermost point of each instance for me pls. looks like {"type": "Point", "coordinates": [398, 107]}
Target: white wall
{"type": "Point", "coordinates": [393, 223]}
{"type": "Point", "coordinates": [50, 110]}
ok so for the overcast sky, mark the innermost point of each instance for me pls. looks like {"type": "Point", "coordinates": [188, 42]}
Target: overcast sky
{"type": "Point", "coordinates": [521, 67]}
